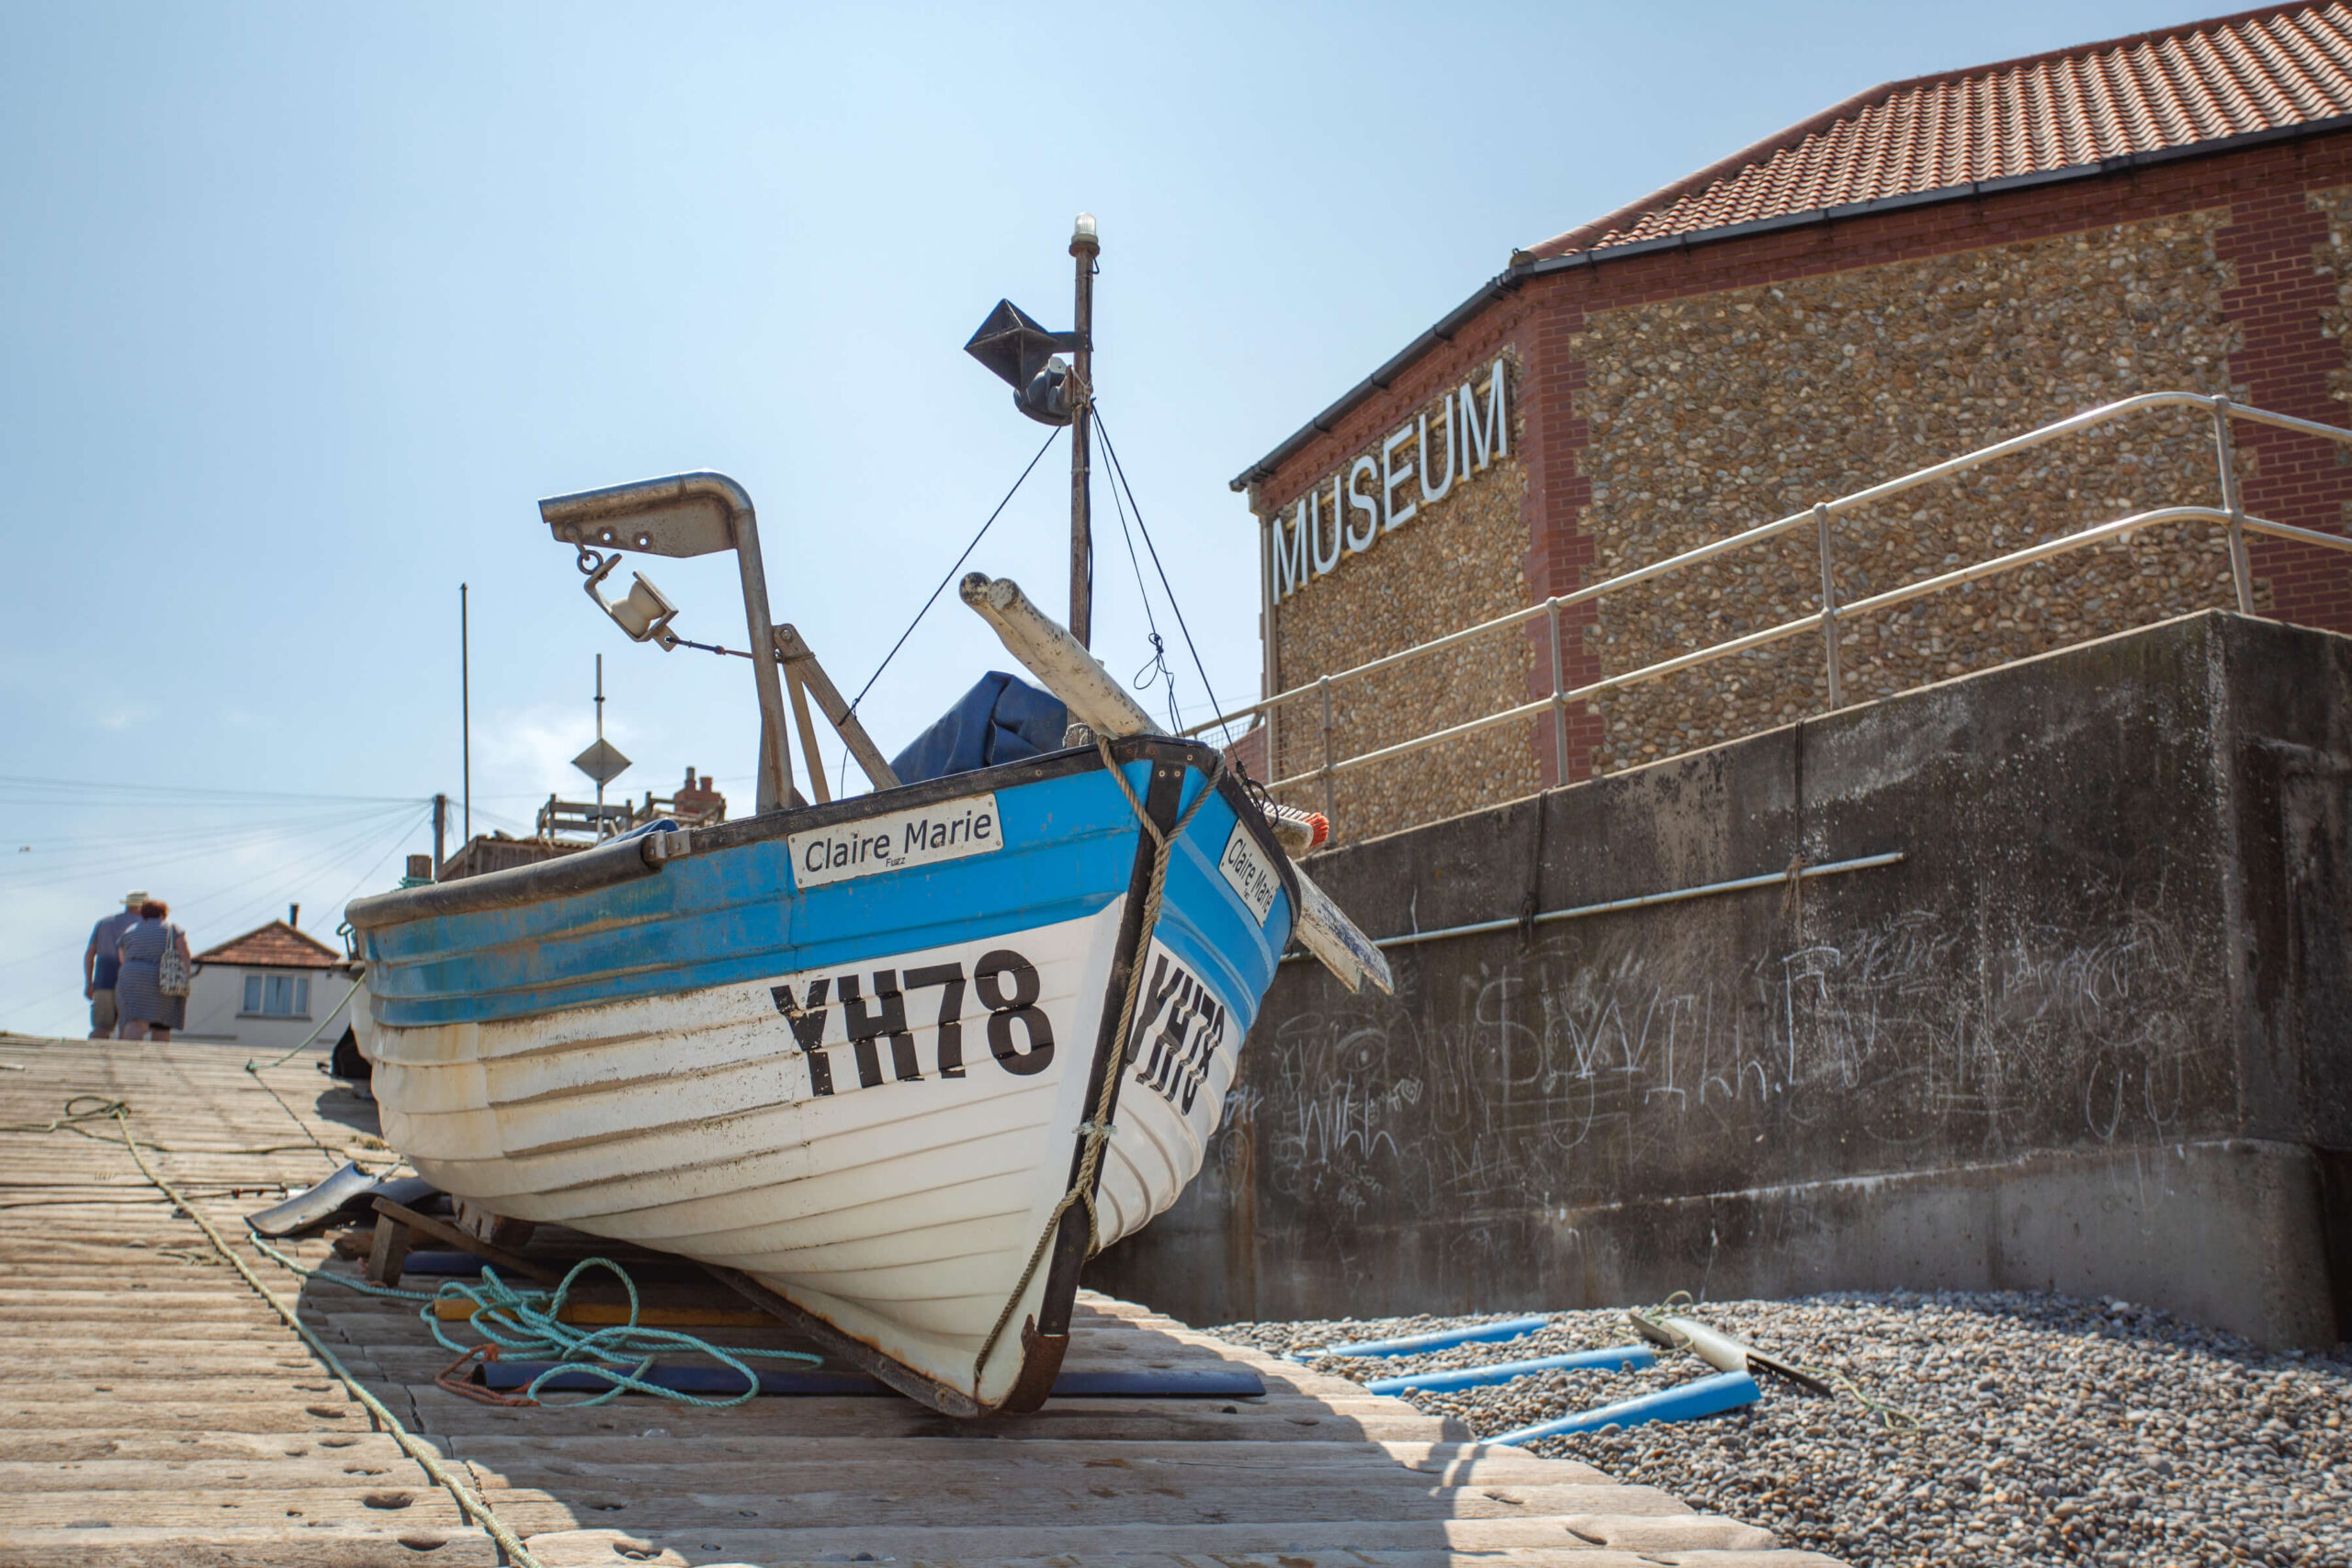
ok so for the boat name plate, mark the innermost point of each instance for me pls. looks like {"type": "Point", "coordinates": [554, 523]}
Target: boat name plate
{"type": "Point", "coordinates": [872, 845]}
{"type": "Point", "coordinates": [1249, 873]}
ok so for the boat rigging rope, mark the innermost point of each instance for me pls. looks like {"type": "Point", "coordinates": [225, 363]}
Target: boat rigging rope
{"type": "Point", "coordinates": [252, 1066]}
{"type": "Point", "coordinates": [952, 572]}
{"type": "Point", "coordinates": [74, 1121]}
{"type": "Point", "coordinates": [1154, 671]}
{"type": "Point", "coordinates": [1097, 1128]}
{"type": "Point", "coordinates": [469, 1501]}
{"type": "Point", "coordinates": [1119, 472]}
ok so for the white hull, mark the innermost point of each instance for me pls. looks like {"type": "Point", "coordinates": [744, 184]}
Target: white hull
{"type": "Point", "coordinates": [902, 1211]}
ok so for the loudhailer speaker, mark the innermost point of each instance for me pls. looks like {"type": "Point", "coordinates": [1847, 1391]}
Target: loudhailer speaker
{"type": "Point", "coordinates": [1024, 357]}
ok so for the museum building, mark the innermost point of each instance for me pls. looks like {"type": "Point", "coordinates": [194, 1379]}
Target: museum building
{"type": "Point", "coordinates": [1923, 269]}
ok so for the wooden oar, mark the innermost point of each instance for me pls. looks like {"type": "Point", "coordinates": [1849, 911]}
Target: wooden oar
{"type": "Point", "coordinates": [1097, 700]}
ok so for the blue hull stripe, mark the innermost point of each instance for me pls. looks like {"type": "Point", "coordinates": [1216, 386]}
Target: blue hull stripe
{"type": "Point", "coordinates": [734, 915]}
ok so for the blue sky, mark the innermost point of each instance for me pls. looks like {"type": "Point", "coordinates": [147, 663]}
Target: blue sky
{"type": "Point", "coordinates": [302, 308]}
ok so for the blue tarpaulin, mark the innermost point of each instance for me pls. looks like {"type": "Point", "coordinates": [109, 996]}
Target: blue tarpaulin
{"type": "Point", "coordinates": [1001, 719]}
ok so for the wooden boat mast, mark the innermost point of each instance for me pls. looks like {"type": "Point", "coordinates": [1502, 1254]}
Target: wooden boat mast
{"type": "Point", "coordinates": [1087, 248]}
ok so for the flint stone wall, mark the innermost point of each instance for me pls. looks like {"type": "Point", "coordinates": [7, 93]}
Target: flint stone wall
{"type": "Point", "coordinates": [1669, 399]}
{"type": "Point", "coordinates": [1715, 413]}
{"type": "Point", "coordinates": [1454, 564]}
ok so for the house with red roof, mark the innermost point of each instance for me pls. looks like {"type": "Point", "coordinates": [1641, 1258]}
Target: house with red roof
{"type": "Point", "coordinates": [270, 989]}
{"type": "Point", "coordinates": [1921, 270]}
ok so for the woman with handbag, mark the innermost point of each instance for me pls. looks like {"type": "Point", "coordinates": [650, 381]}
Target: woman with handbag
{"type": "Point", "coordinates": [151, 994]}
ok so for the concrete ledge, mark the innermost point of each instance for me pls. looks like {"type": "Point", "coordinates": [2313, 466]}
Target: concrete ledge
{"type": "Point", "coordinates": [2094, 1033]}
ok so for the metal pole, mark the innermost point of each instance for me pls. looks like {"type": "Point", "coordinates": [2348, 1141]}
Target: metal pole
{"type": "Point", "coordinates": [1086, 248]}
{"type": "Point", "coordinates": [2241, 566]}
{"type": "Point", "coordinates": [466, 709]}
{"type": "Point", "coordinates": [1268, 668]}
{"type": "Point", "coordinates": [1559, 706]}
{"type": "Point", "coordinates": [775, 748]}
{"type": "Point", "coordinates": [600, 736]}
{"type": "Point", "coordinates": [1828, 607]}
{"type": "Point", "coordinates": [1325, 683]}
{"type": "Point", "coordinates": [808, 733]}
{"type": "Point", "coordinates": [440, 826]}
{"type": "Point", "coordinates": [1645, 901]}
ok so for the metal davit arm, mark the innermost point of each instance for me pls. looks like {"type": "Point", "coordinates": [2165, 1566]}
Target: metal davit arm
{"type": "Point", "coordinates": [693, 514]}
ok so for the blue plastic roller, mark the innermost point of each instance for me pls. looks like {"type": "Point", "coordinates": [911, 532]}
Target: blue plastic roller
{"type": "Point", "coordinates": [1707, 1396]}
{"type": "Point", "coordinates": [1477, 1334]}
{"type": "Point", "coordinates": [1617, 1357]}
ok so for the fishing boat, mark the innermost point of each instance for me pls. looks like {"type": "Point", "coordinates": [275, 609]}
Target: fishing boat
{"type": "Point", "coordinates": [894, 1065]}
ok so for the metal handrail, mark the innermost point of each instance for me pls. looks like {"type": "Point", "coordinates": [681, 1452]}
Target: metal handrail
{"type": "Point", "coordinates": [2230, 515]}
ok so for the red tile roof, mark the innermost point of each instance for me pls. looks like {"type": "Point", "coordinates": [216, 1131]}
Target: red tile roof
{"type": "Point", "coordinates": [2267, 70]}
{"type": "Point", "coordinates": [274, 946]}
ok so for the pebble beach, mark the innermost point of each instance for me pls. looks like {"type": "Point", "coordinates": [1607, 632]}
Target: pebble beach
{"type": "Point", "coordinates": [2049, 1430]}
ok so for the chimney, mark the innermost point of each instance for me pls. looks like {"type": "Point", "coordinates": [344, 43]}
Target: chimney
{"type": "Point", "coordinates": [294, 914]}
{"type": "Point", "coordinates": [697, 801]}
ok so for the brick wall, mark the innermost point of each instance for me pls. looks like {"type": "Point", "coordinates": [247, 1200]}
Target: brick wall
{"type": "Point", "coordinates": [1670, 398]}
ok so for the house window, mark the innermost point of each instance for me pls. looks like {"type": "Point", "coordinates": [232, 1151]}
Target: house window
{"type": "Point", "coordinates": [277, 995]}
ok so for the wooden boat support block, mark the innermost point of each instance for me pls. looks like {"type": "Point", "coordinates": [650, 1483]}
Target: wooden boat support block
{"type": "Point", "coordinates": [605, 1315]}
{"type": "Point", "coordinates": [155, 1411]}
{"type": "Point", "coordinates": [464, 1241]}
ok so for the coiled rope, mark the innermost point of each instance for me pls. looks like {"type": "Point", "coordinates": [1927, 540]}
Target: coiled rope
{"type": "Point", "coordinates": [527, 1326]}
{"type": "Point", "coordinates": [1096, 1129]}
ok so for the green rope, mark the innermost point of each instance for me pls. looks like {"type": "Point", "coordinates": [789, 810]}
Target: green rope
{"type": "Point", "coordinates": [329, 1277]}
{"type": "Point", "coordinates": [253, 1067]}
{"type": "Point", "coordinates": [525, 1325]}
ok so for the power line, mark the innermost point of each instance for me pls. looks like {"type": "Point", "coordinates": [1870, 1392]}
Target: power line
{"type": "Point", "coordinates": [85, 789]}
{"type": "Point", "coordinates": [37, 871]}
{"type": "Point", "coordinates": [291, 880]}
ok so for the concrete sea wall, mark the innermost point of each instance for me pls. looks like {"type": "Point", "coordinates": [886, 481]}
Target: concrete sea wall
{"type": "Point", "coordinates": [2093, 1033]}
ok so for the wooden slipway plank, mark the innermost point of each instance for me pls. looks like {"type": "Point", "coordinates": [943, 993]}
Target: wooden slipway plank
{"type": "Point", "coordinates": [376, 1508]}
{"type": "Point", "coordinates": [608, 1548]}
{"type": "Point", "coordinates": [1086, 1498]}
{"type": "Point", "coordinates": [387, 1467]}
{"type": "Point", "coordinates": [145, 1389]}
{"type": "Point", "coordinates": [704, 1463]}
{"type": "Point", "coordinates": [175, 1548]}
{"type": "Point", "coordinates": [987, 1543]}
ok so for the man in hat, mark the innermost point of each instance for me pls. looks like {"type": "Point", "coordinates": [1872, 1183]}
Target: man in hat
{"type": "Point", "coordinates": [101, 965]}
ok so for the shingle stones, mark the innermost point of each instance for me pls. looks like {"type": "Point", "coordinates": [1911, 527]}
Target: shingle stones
{"type": "Point", "coordinates": [2050, 1431]}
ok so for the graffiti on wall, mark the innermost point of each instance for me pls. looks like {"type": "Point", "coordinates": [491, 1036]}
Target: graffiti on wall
{"type": "Point", "coordinates": [1577, 1071]}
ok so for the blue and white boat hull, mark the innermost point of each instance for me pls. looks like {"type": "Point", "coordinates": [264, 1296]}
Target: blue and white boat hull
{"type": "Point", "coordinates": [865, 1083]}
